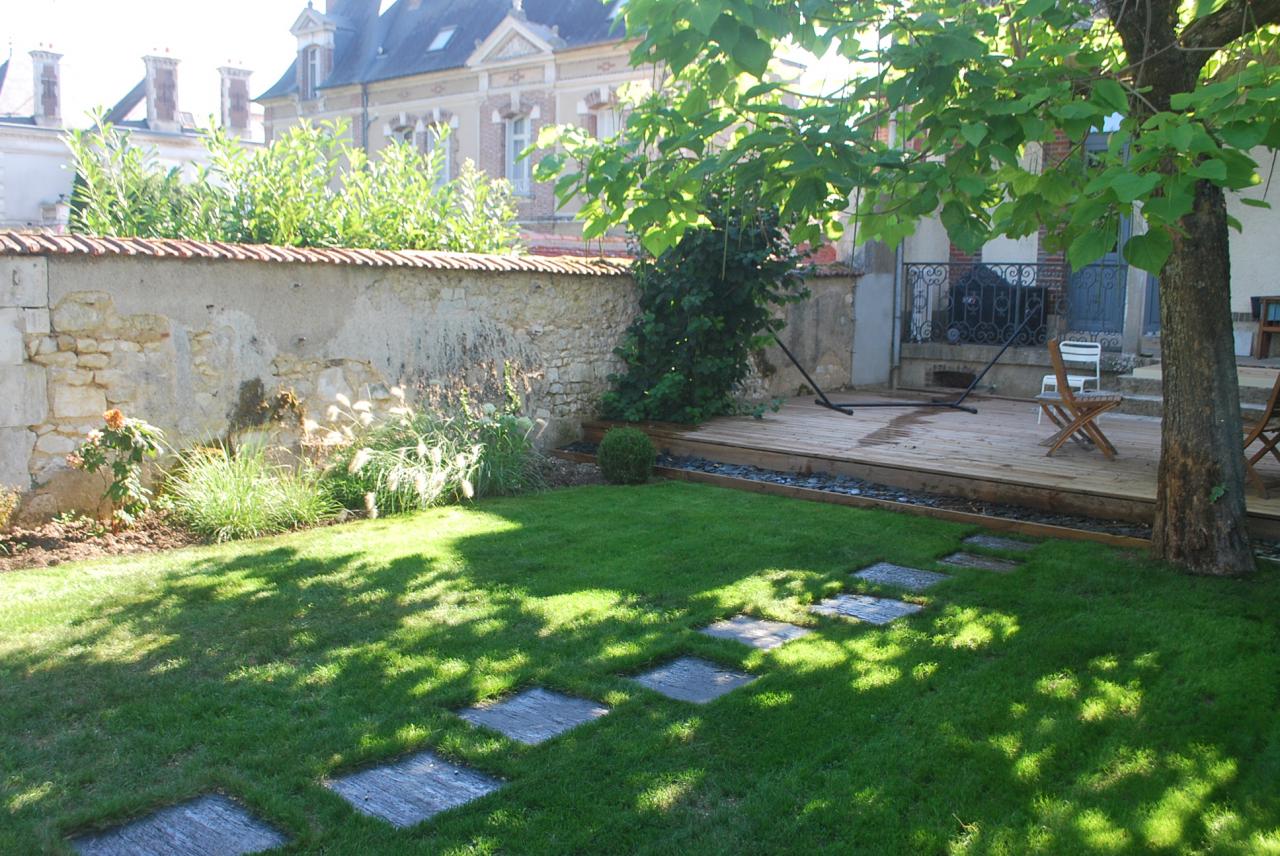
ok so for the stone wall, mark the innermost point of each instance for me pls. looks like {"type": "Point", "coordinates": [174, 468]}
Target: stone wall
{"type": "Point", "coordinates": [200, 347]}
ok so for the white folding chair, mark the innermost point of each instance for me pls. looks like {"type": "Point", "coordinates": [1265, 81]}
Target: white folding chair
{"type": "Point", "coordinates": [1082, 354]}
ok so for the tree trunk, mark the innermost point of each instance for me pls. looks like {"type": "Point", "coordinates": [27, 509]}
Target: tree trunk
{"type": "Point", "coordinates": [1200, 503]}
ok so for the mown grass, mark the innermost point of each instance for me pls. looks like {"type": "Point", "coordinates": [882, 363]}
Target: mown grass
{"type": "Point", "coordinates": [1089, 702]}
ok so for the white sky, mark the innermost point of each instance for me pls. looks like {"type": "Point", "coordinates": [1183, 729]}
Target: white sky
{"type": "Point", "coordinates": [103, 42]}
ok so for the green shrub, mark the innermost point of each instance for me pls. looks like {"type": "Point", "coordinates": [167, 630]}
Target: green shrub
{"type": "Point", "coordinates": [706, 305]}
{"type": "Point", "coordinates": [626, 456]}
{"type": "Point", "coordinates": [224, 494]}
{"type": "Point", "coordinates": [309, 187]}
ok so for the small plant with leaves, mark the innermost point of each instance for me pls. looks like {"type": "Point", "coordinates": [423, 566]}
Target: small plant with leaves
{"type": "Point", "coordinates": [121, 447]}
{"type": "Point", "coordinates": [626, 456]}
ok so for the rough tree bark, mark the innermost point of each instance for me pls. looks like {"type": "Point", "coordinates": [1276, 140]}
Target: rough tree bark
{"type": "Point", "coordinates": [1200, 505]}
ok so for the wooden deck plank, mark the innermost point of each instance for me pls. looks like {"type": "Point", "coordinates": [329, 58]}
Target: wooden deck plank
{"type": "Point", "coordinates": [995, 455]}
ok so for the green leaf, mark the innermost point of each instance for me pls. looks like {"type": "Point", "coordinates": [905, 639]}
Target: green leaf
{"type": "Point", "coordinates": [1090, 246]}
{"type": "Point", "coordinates": [1129, 186]}
{"type": "Point", "coordinates": [973, 134]}
{"type": "Point", "coordinates": [1211, 169]}
{"type": "Point", "coordinates": [1032, 9]}
{"type": "Point", "coordinates": [1111, 94]}
{"type": "Point", "coordinates": [752, 53]}
{"type": "Point", "coordinates": [1150, 251]}
{"type": "Point", "coordinates": [1255, 203]}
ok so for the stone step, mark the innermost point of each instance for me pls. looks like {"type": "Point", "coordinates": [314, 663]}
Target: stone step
{"type": "Point", "coordinates": [1140, 386]}
{"type": "Point", "coordinates": [1153, 405]}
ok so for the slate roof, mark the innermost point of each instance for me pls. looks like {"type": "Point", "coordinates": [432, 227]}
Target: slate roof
{"type": "Point", "coordinates": [405, 30]}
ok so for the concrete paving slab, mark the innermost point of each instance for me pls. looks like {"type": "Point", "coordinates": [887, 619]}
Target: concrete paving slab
{"type": "Point", "coordinates": [756, 632]}
{"type": "Point", "coordinates": [874, 610]}
{"type": "Point", "coordinates": [995, 542]}
{"type": "Point", "coordinates": [982, 563]}
{"type": "Point", "coordinates": [534, 715]}
{"type": "Point", "coordinates": [887, 573]}
{"type": "Point", "coordinates": [412, 789]}
{"type": "Point", "coordinates": [694, 680]}
{"type": "Point", "coordinates": [211, 825]}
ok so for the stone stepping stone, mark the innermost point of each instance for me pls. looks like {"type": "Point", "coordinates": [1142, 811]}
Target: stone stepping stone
{"type": "Point", "coordinates": [995, 542]}
{"type": "Point", "coordinates": [412, 789]}
{"type": "Point", "coordinates": [534, 715]}
{"type": "Point", "coordinates": [890, 574]}
{"type": "Point", "coordinates": [874, 610]}
{"type": "Point", "coordinates": [756, 632]}
{"type": "Point", "coordinates": [982, 563]}
{"type": "Point", "coordinates": [692, 679]}
{"type": "Point", "coordinates": [211, 825]}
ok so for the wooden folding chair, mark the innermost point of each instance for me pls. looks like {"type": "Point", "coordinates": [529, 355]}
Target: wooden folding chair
{"type": "Point", "coordinates": [1075, 413]}
{"type": "Point", "coordinates": [1267, 431]}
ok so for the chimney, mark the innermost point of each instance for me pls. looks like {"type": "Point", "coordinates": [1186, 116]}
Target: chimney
{"type": "Point", "coordinates": [162, 93]}
{"type": "Point", "coordinates": [47, 101]}
{"type": "Point", "coordinates": [235, 99]}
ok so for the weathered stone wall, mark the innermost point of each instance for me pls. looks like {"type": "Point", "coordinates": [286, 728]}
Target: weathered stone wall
{"type": "Point", "coordinates": [197, 346]}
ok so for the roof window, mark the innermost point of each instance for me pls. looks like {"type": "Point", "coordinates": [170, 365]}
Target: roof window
{"type": "Point", "coordinates": [442, 39]}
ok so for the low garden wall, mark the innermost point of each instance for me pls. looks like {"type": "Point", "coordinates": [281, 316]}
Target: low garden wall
{"type": "Point", "coordinates": [205, 339]}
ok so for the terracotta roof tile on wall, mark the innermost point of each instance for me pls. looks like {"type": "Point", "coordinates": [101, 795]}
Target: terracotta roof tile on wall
{"type": "Point", "coordinates": [45, 244]}
{"type": "Point", "coordinates": [33, 244]}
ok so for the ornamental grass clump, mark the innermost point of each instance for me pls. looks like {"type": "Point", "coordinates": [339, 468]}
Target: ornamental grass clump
{"type": "Point", "coordinates": [226, 494]}
{"type": "Point", "coordinates": [410, 458]}
{"type": "Point", "coordinates": [626, 456]}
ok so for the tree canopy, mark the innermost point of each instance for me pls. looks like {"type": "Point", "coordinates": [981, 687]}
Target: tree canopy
{"type": "Point", "coordinates": [961, 109]}
{"type": "Point", "coordinates": [973, 92]}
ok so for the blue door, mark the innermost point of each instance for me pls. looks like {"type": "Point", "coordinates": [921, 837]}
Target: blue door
{"type": "Point", "coordinates": [1096, 292]}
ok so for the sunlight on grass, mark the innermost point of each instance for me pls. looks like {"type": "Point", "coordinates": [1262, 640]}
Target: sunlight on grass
{"type": "Point", "coordinates": [1086, 704]}
{"type": "Point", "coordinates": [1166, 821]}
{"type": "Point", "coordinates": [665, 795]}
{"type": "Point", "coordinates": [1060, 685]}
{"type": "Point", "coordinates": [1108, 698]}
{"type": "Point", "coordinates": [972, 628]}
{"type": "Point", "coordinates": [1100, 832]}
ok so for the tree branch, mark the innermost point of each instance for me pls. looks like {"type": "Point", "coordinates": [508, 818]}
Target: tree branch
{"type": "Point", "coordinates": [1233, 21]}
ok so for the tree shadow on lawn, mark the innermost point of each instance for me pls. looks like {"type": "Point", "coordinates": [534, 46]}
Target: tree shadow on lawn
{"type": "Point", "coordinates": [1030, 711]}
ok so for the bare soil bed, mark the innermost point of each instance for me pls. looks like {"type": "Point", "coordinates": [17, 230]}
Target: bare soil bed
{"type": "Point", "coordinates": [62, 541]}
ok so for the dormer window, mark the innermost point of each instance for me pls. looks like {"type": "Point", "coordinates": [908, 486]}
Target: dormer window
{"type": "Point", "coordinates": [312, 69]}
{"type": "Point", "coordinates": [442, 39]}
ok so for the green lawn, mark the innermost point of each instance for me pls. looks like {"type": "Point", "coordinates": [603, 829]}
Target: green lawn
{"type": "Point", "coordinates": [1089, 702]}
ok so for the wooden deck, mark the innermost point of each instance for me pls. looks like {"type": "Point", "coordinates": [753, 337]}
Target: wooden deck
{"type": "Point", "coordinates": [994, 456]}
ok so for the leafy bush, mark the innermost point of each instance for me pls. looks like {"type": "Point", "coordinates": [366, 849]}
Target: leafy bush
{"type": "Point", "coordinates": [705, 305]}
{"type": "Point", "coordinates": [310, 187]}
{"type": "Point", "coordinates": [122, 446]}
{"type": "Point", "coordinates": [412, 458]}
{"type": "Point", "coordinates": [626, 456]}
{"type": "Point", "coordinates": [224, 494]}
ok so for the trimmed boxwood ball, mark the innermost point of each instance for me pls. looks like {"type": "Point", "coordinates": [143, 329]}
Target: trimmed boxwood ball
{"type": "Point", "coordinates": [626, 456]}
